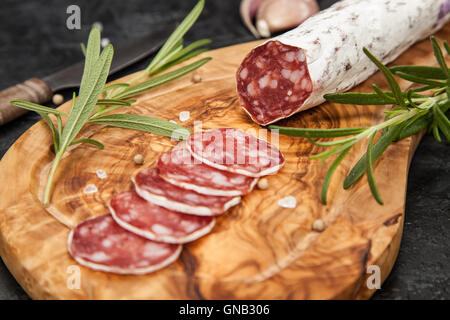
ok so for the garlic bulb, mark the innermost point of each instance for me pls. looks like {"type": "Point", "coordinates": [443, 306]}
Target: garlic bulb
{"type": "Point", "coordinates": [248, 11]}
{"type": "Point", "coordinates": [279, 15]}
{"type": "Point", "coordinates": [276, 15]}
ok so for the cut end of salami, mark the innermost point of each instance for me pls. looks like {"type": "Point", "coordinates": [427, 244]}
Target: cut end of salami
{"type": "Point", "coordinates": [235, 151]}
{"type": "Point", "coordinates": [156, 223]}
{"type": "Point", "coordinates": [101, 244]}
{"type": "Point", "coordinates": [179, 168]}
{"type": "Point", "coordinates": [273, 82]}
{"type": "Point", "coordinates": [151, 187]}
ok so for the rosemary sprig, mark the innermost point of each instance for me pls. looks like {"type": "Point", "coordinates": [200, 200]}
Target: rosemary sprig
{"type": "Point", "coordinates": [89, 107]}
{"type": "Point", "coordinates": [412, 113]}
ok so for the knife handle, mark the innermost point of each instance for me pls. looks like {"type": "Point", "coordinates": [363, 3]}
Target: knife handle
{"type": "Point", "coordinates": [33, 90]}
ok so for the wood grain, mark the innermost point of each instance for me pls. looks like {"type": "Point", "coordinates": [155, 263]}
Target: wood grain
{"type": "Point", "coordinates": [257, 250]}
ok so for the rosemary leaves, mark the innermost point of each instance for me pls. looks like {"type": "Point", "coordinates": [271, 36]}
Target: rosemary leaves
{"type": "Point", "coordinates": [413, 112]}
{"type": "Point", "coordinates": [88, 107]}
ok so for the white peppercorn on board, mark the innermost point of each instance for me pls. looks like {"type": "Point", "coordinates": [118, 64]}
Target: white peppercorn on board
{"type": "Point", "coordinates": [258, 249]}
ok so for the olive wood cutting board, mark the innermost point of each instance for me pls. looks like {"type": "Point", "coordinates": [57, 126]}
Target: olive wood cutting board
{"type": "Point", "coordinates": [257, 250]}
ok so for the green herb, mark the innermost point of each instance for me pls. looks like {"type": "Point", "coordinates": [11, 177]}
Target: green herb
{"type": "Point", "coordinates": [88, 107]}
{"type": "Point", "coordinates": [412, 113]}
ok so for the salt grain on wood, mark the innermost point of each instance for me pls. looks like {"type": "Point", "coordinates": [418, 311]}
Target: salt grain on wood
{"type": "Point", "coordinates": [89, 189]}
{"type": "Point", "coordinates": [101, 174]}
{"type": "Point", "coordinates": [288, 202]}
{"type": "Point", "coordinates": [184, 116]}
{"type": "Point", "coordinates": [104, 42]}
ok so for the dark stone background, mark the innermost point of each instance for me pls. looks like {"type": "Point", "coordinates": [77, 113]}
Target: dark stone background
{"type": "Point", "coordinates": [34, 41]}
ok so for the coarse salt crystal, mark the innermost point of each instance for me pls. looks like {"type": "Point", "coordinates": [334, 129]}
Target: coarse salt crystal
{"type": "Point", "coordinates": [184, 115]}
{"type": "Point", "coordinates": [99, 25]}
{"type": "Point", "coordinates": [89, 189]}
{"type": "Point", "coordinates": [288, 202]}
{"type": "Point", "coordinates": [173, 121]}
{"type": "Point", "coordinates": [104, 42]}
{"type": "Point", "coordinates": [101, 174]}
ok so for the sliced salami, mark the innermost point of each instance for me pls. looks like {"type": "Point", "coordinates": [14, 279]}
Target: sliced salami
{"type": "Point", "coordinates": [293, 71]}
{"type": "Point", "coordinates": [157, 223]}
{"type": "Point", "coordinates": [151, 187]}
{"type": "Point", "coordinates": [180, 168]}
{"type": "Point", "coordinates": [235, 151]}
{"type": "Point", "coordinates": [101, 244]}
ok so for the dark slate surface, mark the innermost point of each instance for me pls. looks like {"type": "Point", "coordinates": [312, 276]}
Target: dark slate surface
{"type": "Point", "coordinates": [35, 42]}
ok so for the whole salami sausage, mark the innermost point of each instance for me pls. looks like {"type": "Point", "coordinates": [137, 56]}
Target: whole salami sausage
{"type": "Point", "coordinates": [293, 71]}
{"type": "Point", "coordinates": [101, 244]}
{"type": "Point", "coordinates": [156, 223]}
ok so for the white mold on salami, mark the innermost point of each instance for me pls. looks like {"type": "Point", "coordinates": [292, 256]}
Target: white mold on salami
{"type": "Point", "coordinates": [151, 187]}
{"type": "Point", "coordinates": [101, 244]}
{"type": "Point", "coordinates": [329, 46]}
{"type": "Point", "coordinates": [157, 223]}
{"type": "Point", "coordinates": [235, 151]}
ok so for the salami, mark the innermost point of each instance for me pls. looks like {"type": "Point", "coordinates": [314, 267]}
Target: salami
{"type": "Point", "coordinates": [156, 223]}
{"type": "Point", "coordinates": [101, 244]}
{"type": "Point", "coordinates": [293, 71]}
{"type": "Point", "coordinates": [151, 187]}
{"type": "Point", "coordinates": [235, 151]}
{"type": "Point", "coordinates": [180, 168]}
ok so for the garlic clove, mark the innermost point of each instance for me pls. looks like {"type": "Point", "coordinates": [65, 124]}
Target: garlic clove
{"type": "Point", "coordinates": [279, 15]}
{"type": "Point", "coordinates": [248, 10]}
{"type": "Point", "coordinates": [263, 28]}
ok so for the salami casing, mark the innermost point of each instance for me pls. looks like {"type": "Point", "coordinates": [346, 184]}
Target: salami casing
{"type": "Point", "coordinates": [157, 223]}
{"type": "Point", "coordinates": [151, 187]}
{"type": "Point", "coordinates": [101, 244]}
{"type": "Point", "coordinates": [180, 168]}
{"type": "Point", "coordinates": [293, 71]}
{"type": "Point", "coordinates": [235, 151]}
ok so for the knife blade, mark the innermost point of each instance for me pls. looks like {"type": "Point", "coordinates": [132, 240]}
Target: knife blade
{"type": "Point", "coordinates": [41, 90]}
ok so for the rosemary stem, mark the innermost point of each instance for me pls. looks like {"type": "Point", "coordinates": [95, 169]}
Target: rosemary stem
{"type": "Point", "coordinates": [117, 91]}
{"type": "Point", "coordinates": [403, 116]}
{"type": "Point", "coordinates": [48, 187]}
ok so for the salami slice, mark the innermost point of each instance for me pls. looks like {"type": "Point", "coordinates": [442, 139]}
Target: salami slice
{"type": "Point", "coordinates": [293, 71]}
{"type": "Point", "coordinates": [180, 168]}
{"type": "Point", "coordinates": [151, 187]}
{"type": "Point", "coordinates": [235, 151]}
{"type": "Point", "coordinates": [101, 244]}
{"type": "Point", "coordinates": [156, 223]}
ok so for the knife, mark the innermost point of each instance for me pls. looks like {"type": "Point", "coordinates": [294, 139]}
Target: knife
{"type": "Point", "coordinates": [41, 90]}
